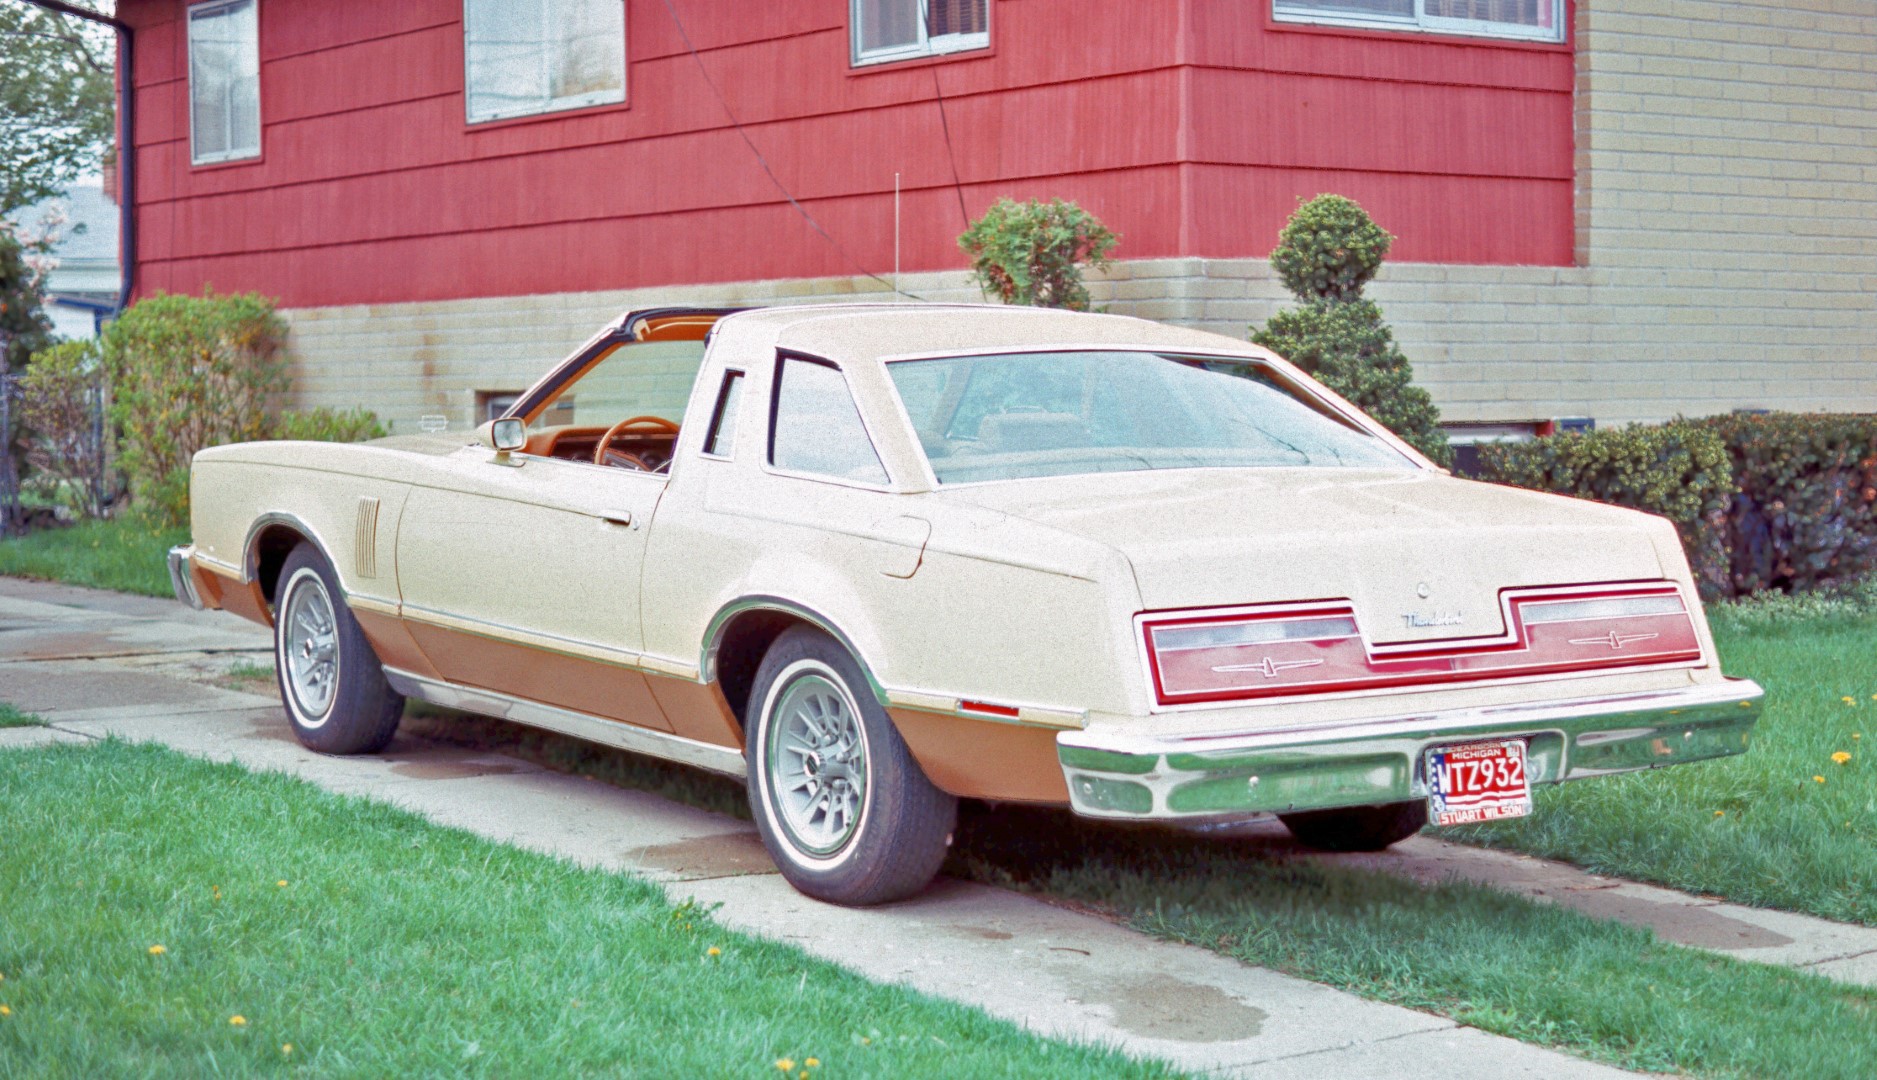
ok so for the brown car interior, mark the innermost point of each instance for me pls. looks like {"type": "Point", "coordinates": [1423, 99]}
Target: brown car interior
{"type": "Point", "coordinates": [639, 443]}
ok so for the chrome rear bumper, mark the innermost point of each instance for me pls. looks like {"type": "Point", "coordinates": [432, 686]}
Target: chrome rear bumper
{"type": "Point", "coordinates": [1115, 775]}
{"type": "Point", "coordinates": [180, 578]}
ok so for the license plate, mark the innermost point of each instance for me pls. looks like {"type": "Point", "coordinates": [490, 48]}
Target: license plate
{"type": "Point", "coordinates": [1477, 782]}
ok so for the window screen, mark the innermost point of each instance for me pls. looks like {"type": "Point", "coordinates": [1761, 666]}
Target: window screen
{"type": "Point", "coordinates": [816, 427]}
{"type": "Point", "coordinates": [533, 56]}
{"type": "Point", "coordinates": [224, 82]}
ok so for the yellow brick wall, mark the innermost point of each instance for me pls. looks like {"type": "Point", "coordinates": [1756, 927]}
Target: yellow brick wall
{"type": "Point", "coordinates": [1727, 249]}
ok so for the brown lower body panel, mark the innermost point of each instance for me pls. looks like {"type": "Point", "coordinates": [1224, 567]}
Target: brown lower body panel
{"type": "Point", "coordinates": [981, 759]}
{"type": "Point", "coordinates": [588, 686]}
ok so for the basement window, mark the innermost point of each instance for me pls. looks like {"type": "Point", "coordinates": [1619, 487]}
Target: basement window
{"type": "Point", "coordinates": [523, 57]}
{"type": "Point", "coordinates": [886, 30]}
{"type": "Point", "coordinates": [1528, 20]}
{"type": "Point", "coordinates": [224, 82]}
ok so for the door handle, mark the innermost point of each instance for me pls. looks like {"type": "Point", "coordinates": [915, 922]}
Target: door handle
{"type": "Point", "coordinates": [617, 517]}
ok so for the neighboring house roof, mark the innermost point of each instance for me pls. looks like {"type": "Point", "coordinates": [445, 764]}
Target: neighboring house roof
{"type": "Point", "coordinates": [87, 257]}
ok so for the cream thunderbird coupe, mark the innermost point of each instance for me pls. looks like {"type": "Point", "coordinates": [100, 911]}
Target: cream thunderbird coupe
{"type": "Point", "coordinates": [879, 558]}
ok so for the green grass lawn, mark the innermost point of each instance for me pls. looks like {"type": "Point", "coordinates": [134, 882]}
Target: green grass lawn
{"type": "Point", "coordinates": [1784, 825]}
{"type": "Point", "coordinates": [12, 717]}
{"type": "Point", "coordinates": [166, 916]}
{"type": "Point", "coordinates": [124, 553]}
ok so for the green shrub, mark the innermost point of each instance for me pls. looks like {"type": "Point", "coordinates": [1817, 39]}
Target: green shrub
{"type": "Point", "coordinates": [1677, 470]}
{"type": "Point", "coordinates": [1327, 252]}
{"type": "Point", "coordinates": [188, 373]}
{"type": "Point", "coordinates": [327, 425]}
{"type": "Point", "coordinates": [1032, 252]}
{"type": "Point", "coordinates": [1804, 517]}
{"type": "Point", "coordinates": [1329, 249]}
{"type": "Point", "coordinates": [61, 394]}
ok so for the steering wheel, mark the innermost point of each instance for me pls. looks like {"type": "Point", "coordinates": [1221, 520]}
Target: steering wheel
{"type": "Point", "coordinates": [603, 454]}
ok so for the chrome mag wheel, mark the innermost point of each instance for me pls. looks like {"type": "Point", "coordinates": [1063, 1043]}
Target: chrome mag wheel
{"type": "Point", "coordinates": [817, 763]}
{"type": "Point", "coordinates": [310, 646]}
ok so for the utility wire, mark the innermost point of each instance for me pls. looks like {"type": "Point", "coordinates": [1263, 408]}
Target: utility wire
{"type": "Point", "coordinates": [764, 162]}
{"type": "Point", "coordinates": [945, 126]}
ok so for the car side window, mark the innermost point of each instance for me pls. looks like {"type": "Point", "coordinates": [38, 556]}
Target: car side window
{"type": "Point", "coordinates": [815, 427]}
{"type": "Point", "coordinates": [721, 439]}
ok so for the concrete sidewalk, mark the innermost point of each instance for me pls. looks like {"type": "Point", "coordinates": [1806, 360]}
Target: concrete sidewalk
{"type": "Point", "coordinates": [97, 664]}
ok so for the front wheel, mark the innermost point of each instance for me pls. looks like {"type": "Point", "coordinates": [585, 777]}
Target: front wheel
{"type": "Point", "coordinates": [337, 699]}
{"type": "Point", "coordinates": [1357, 828]}
{"type": "Point", "coordinates": [844, 810]}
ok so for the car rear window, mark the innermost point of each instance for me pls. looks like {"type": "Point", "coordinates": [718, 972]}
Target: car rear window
{"type": "Point", "coordinates": [1019, 415]}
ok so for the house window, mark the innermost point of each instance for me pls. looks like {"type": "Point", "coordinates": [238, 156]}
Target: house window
{"type": "Point", "coordinates": [523, 57]}
{"type": "Point", "coordinates": [899, 29]}
{"type": "Point", "coordinates": [224, 82]}
{"type": "Point", "coordinates": [1532, 20]}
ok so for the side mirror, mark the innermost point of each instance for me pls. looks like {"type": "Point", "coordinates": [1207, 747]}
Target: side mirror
{"type": "Point", "coordinates": [508, 434]}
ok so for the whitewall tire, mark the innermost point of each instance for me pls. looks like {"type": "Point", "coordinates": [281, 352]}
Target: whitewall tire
{"type": "Point", "coordinates": [842, 807]}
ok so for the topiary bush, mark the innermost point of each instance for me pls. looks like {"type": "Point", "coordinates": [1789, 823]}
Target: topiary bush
{"type": "Point", "coordinates": [189, 372]}
{"type": "Point", "coordinates": [1680, 471]}
{"type": "Point", "coordinates": [1326, 253]}
{"type": "Point", "coordinates": [1804, 515]}
{"type": "Point", "coordinates": [1033, 252]}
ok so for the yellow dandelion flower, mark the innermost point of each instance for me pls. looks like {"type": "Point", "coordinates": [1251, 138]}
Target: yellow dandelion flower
{"type": "Point", "coordinates": [1840, 757]}
{"type": "Point", "coordinates": [1819, 779]}
{"type": "Point", "coordinates": [1849, 700]}
{"type": "Point", "coordinates": [282, 883]}
{"type": "Point", "coordinates": [1856, 735]}
{"type": "Point", "coordinates": [4, 1011]}
{"type": "Point", "coordinates": [238, 1020]}
{"type": "Point", "coordinates": [803, 1075]}
{"type": "Point", "coordinates": [1720, 813]}
{"type": "Point", "coordinates": [713, 951]}
{"type": "Point", "coordinates": [286, 1048]}
{"type": "Point", "coordinates": [813, 1063]}
{"type": "Point", "coordinates": [157, 950]}
{"type": "Point", "coordinates": [786, 1064]}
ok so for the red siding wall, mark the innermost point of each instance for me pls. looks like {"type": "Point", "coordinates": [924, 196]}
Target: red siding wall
{"type": "Point", "coordinates": [1189, 126]}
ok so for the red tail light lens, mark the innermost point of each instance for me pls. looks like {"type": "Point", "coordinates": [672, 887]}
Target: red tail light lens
{"type": "Point", "coordinates": [1283, 649]}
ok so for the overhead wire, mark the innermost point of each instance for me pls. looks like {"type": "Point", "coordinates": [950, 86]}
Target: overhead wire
{"type": "Point", "coordinates": [685, 36]}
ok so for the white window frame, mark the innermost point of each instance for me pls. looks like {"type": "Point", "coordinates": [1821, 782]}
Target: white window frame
{"type": "Point", "coordinates": [1421, 22]}
{"type": "Point", "coordinates": [552, 105]}
{"type": "Point", "coordinates": [927, 45]}
{"type": "Point", "coordinates": [190, 14]}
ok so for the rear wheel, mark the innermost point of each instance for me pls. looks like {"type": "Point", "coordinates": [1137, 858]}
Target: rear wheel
{"type": "Point", "coordinates": [1357, 828]}
{"type": "Point", "coordinates": [331, 683]}
{"type": "Point", "coordinates": [842, 807]}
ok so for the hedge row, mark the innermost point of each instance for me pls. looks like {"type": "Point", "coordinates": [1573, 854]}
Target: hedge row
{"type": "Point", "coordinates": [1783, 501]}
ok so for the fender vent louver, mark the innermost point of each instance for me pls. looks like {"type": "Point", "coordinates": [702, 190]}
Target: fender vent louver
{"type": "Point", "coordinates": [367, 540]}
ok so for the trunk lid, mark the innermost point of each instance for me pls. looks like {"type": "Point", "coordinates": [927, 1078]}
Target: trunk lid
{"type": "Point", "coordinates": [1422, 555]}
